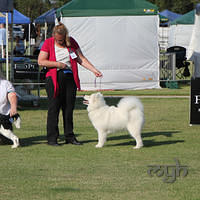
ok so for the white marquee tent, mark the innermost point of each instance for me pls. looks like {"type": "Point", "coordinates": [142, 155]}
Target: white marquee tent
{"type": "Point", "coordinates": [180, 31]}
{"type": "Point", "coordinates": [194, 47]}
{"type": "Point", "coordinates": [119, 37]}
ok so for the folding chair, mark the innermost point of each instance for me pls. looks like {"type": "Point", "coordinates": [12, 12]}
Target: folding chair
{"type": "Point", "coordinates": [181, 61]}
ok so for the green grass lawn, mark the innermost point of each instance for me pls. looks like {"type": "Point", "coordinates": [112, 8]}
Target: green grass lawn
{"type": "Point", "coordinates": [37, 171]}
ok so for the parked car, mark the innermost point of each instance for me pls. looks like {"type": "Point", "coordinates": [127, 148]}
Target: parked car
{"type": "Point", "coordinates": [17, 32]}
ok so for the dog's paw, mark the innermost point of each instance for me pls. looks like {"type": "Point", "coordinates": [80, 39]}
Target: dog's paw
{"type": "Point", "coordinates": [15, 144]}
{"type": "Point", "coordinates": [99, 146]}
{"type": "Point", "coordinates": [138, 147]}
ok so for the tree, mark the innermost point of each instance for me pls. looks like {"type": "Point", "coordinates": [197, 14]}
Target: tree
{"type": "Point", "coordinates": [178, 6]}
{"type": "Point", "coordinates": [32, 8]}
{"type": "Point", "coordinates": [60, 3]}
{"type": "Point", "coordinates": [185, 6]}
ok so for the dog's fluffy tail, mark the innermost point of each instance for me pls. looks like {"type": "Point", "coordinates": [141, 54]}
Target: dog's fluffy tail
{"type": "Point", "coordinates": [129, 103]}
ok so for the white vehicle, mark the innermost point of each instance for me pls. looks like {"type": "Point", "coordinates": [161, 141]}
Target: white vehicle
{"type": "Point", "coordinates": [17, 32]}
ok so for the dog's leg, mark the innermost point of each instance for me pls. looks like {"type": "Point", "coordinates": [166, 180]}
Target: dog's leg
{"type": "Point", "coordinates": [135, 131]}
{"type": "Point", "coordinates": [101, 139]}
{"type": "Point", "coordinates": [10, 135]}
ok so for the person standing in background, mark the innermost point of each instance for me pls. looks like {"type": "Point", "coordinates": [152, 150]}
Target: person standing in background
{"type": "Point", "coordinates": [19, 49]}
{"type": "Point", "coordinates": [2, 40]}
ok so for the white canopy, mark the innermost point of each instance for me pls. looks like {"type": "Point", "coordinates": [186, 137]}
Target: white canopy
{"type": "Point", "coordinates": [194, 47]}
{"type": "Point", "coordinates": [180, 35]}
{"type": "Point", "coordinates": [180, 31]}
{"type": "Point", "coordinates": [124, 48]}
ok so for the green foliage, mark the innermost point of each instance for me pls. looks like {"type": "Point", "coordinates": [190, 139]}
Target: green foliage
{"type": "Point", "coordinates": [35, 8]}
{"type": "Point", "coordinates": [178, 6]}
{"type": "Point", "coordinates": [32, 8]}
{"type": "Point", "coordinates": [60, 3]}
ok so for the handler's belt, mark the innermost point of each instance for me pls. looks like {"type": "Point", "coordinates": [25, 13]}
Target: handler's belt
{"type": "Point", "coordinates": [65, 71]}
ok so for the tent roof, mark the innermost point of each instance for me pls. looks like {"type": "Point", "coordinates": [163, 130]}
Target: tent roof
{"type": "Point", "coordinates": [170, 15]}
{"type": "Point", "coordinates": [81, 8]}
{"type": "Point", "coordinates": [187, 18]}
{"type": "Point", "coordinates": [18, 18]}
{"type": "Point", "coordinates": [46, 17]}
{"type": "Point", "coordinates": [50, 18]}
{"type": "Point", "coordinates": [2, 15]}
{"type": "Point", "coordinates": [163, 18]}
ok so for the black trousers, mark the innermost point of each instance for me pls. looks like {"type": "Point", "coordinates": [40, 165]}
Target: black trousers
{"type": "Point", "coordinates": [65, 101]}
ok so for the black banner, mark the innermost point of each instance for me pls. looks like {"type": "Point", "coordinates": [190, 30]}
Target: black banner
{"type": "Point", "coordinates": [195, 102]}
{"type": "Point", "coordinates": [6, 5]}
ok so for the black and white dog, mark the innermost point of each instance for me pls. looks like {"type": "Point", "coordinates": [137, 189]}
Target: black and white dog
{"type": "Point", "coordinates": [6, 127]}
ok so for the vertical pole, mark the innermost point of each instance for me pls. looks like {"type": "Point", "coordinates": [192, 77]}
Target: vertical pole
{"type": "Point", "coordinates": [7, 61]}
{"type": "Point", "coordinates": [29, 39]}
{"type": "Point", "coordinates": [11, 58]}
{"type": "Point", "coordinates": [173, 66]}
{"type": "Point", "coordinates": [2, 53]}
{"type": "Point", "coordinates": [45, 34]}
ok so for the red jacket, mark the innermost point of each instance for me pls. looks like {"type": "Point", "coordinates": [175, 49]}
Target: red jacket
{"type": "Point", "coordinates": [49, 47]}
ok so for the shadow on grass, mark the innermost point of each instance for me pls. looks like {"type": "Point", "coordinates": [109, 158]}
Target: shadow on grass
{"type": "Point", "coordinates": [88, 141]}
{"type": "Point", "coordinates": [151, 134]}
{"type": "Point", "coordinates": [151, 143]}
{"type": "Point", "coordinates": [29, 141]}
{"type": "Point", "coordinates": [147, 143]}
{"type": "Point", "coordinates": [166, 133]}
{"type": "Point", "coordinates": [33, 141]}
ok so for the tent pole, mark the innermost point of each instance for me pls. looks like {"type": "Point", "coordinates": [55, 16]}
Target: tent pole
{"type": "Point", "coordinates": [45, 30]}
{"type": "Point", "coordinates": [7, 63]}
{"type": "Point", "coordinates": [29, 39]}
{"type": "Point", "coordinates": [11, 58]}
{"type": "Point", "coordinates": [2, 56]}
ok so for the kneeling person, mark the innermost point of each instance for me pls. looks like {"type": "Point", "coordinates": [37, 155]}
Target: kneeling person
{"type": "Point", "coordinates": [8, 111]}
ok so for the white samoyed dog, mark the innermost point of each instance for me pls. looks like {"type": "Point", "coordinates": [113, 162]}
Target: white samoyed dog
{"type": "Point", "coordinates": [129, 114]}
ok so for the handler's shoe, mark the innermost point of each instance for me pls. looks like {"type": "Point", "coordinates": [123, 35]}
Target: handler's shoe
{"type": "Point", "coordinates": [72, 141]}
{"type": "Point", "coordinates": [55, 144]}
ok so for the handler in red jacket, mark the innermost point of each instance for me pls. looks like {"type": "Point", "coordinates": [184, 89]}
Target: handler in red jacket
{"type": "Point", "coordinates": [60, 55]}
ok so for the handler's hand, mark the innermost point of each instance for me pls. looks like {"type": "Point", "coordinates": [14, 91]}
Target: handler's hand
{"type": "Point", "coordinates": [12, 98]}
{"type": "Point", "coordinates": [13, 111]}
{"type": "Point", "coordinates": [98, 73]}
{"type": "Point", "coordinates": [61, 65]}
